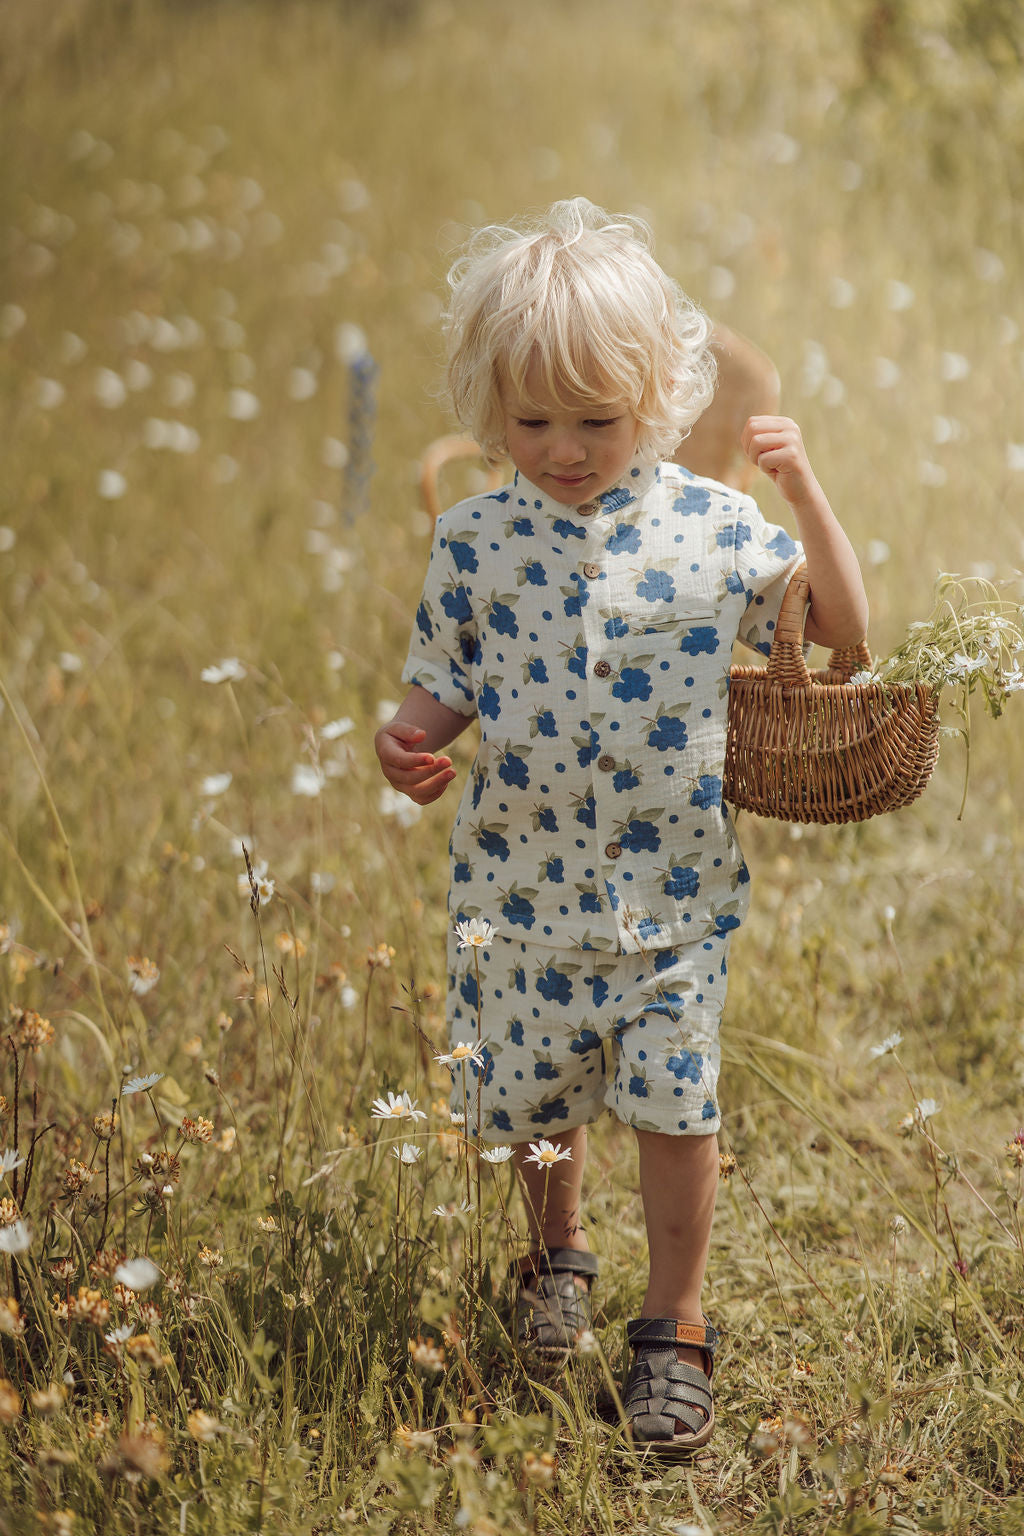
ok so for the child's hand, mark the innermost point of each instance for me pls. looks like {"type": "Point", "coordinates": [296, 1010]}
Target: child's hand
{"type": "Point", "coordinates": [420, 775]}
{"type": "Point", "coordinates": [774, 444]}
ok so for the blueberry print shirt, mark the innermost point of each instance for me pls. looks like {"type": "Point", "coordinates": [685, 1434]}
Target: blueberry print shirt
{"type": "Point", "coordinates": [593, 644]}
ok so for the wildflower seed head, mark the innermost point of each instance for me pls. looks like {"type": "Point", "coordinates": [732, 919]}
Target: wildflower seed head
{"type": "Point", "coordinates": [539, 1470]}
{"type": "Point", "coordinates": [90, 1306]}
{"type": "Point", "coordinates": [212, 1258]}
{"type": "Point", "coordinates": [12, 1324]}
{"type": "Point", "coordinates": [105, 1264]}
{"type": "Point", "coordinates": [76, 1177]}
{"type": "Point", "coordinates": [801, 1369]}
{"type": "Point", "coordinates": [415, 1439]}
{"type": "Point", "coordinates": [48, 1400]}
{"type": "Point", "coordinates": [726, 1166]}
{"type": "Point", "coordinates": [29, 1030]}
{"type": "Point", "coordinates": [143, 975]}
{"type": "Point", "coordinates": [426, 1354]}
{"type": "Point", "coordinates": [769, 1436]}
{"type": "Point", "coordinates": [196, 1130]}
{"type": "Point", "coordinates": [9, 1212]}
{"type": "Point", "coordinates": [267, 1224]}
{"type": "Point", "coordinates": [1014, 1150]}
{"type": "Point", "coordinates": [143, 1349]}
{"type": "Point", "coordinates": [105, 1126]}
{"type": "Point", "coordinates": [97, 1426]}
{"type": "Point", "coordinates": [10, 1402]}
{"type": "Point", "coordinates": [204, 1427]}
{"type": "Point", "coordinates": [897, 1226]}
{"type": "Point", "coordinates": [380, 957]}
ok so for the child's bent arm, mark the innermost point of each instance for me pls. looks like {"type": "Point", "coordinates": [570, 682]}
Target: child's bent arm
{"type": "Point", "coordinates": [406, 746]}
{"type": "Point", "coordinates": [838, 615]}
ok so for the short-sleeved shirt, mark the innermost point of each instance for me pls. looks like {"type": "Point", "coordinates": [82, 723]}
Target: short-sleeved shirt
{"type": "Point", "coordinates": [593, 644]}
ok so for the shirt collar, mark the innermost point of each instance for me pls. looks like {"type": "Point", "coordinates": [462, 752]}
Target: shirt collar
{"type": "Point", "coordinates": [636, 482]}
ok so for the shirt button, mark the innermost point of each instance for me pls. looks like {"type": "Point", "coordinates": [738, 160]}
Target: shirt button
{"type": "Point", "coordinates": [606, 763]}
{"type": "Point", "coordinates": [591, 571]}
{"type": "Point", "coordinates": [586, 508]}
{"type": "Point", "coordinates": [613, 850]}
{"type": "Point", "coordinates": [602, 668]}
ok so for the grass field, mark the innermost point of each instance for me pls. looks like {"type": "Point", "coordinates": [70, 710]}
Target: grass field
{"type": "Point", "coordinates": [212, 216]}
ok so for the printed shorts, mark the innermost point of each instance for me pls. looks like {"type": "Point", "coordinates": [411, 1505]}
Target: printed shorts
{"type": "Point", "coordinates": [569, 1033]}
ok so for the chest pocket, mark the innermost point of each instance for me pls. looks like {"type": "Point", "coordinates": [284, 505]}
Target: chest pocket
{"type": "Point", "coordinates": [676, 622]}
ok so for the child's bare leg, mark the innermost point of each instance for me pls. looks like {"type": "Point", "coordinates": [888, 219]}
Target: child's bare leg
{"type": "Point", "coordinates": [552, 1194]}
{"type": "Point", "coordinates": [678, 1183]}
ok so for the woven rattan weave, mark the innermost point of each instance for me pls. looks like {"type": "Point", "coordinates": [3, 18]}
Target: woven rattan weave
{"type": "Point", "coordinates": [812, 746]}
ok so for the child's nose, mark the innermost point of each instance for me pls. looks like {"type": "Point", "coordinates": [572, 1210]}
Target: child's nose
{"type": "Point", "coordinates": [566, 448]}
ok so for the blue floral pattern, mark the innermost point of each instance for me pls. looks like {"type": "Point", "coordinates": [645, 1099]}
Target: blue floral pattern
{"type": "Point", "coordinates": [593, 644]}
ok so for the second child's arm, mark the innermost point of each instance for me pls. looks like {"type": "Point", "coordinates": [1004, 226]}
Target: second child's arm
{"type": "Point", "coordinates": [406, 746]}
{"type": "Point", "coordinates": [838, 615]}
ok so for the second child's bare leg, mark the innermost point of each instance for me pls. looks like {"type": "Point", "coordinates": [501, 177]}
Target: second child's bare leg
{"type": "Point", "coordinates": [552, 1195]}
{"type": "Point", "coordinates": [678, 1184]}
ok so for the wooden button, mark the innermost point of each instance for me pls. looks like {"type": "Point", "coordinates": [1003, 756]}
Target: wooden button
{"type": "Point", "coordinates": [602, 669]}
{"type": "Point", "coordinates": [591, 571]}
{"type": "Point", "coordinates": [587, 508]}
{"type": "Point", "coordinates": [606, 763]}
{"type": "Point", "coordinates": [614, 850]}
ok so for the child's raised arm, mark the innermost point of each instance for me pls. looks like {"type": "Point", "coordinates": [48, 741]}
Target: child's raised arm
{"type": "Point", "coordinates": [405, 747]}
{"type": "Point", "coordinates": [838, 614]}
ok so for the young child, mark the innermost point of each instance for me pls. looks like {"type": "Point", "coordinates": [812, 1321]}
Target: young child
{"type": "Point", "coordinates": [585, 615]}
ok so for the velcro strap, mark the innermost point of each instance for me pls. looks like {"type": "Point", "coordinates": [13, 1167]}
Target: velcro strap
{"type": "Point", "coordinates": [669, 1330]}
{"type": "Point", "coordinates": [557, 1261]}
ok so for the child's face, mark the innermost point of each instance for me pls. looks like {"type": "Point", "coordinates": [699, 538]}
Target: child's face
{"type": "Point", "coordinates": [573, 450]}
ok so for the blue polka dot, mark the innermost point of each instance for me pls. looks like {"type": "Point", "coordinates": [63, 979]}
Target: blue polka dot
{"type": "Point", "coordinates": [669, 772]}
{"type": "Point", "coordinates": [673, 818]}
{"type": "Point", "coordinates": [559, 767]}
{"type": "Point", "coordinates": [705, 714]}
{"type": "Point", "coordinates": [695, 566]}
{"type": "Point", "coordinates": [495, 546]}
{"type": "Point", "coordinates": [665, 666]}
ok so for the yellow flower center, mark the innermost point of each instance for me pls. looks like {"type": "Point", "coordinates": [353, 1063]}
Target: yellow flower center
{"type": "Point", "coordinates": [549, 1155]}
{"type": "Point", "coordinates": [462, 1051]}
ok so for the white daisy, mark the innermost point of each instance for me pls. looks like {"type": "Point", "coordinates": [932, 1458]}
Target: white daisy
{"type": "Point", "coordinates": [15, 1238]}
{"type": "Point", "coordinates": [478, 933]}
{"type": "Point", "coordinates": [544, 1153]}
{"type": "Point", "coordinates": [497, 1154]}
{"type": "Point", "coordinates": [397, 1106]}
{"type": "Point", "coordinates": [462, 1055]}
{"type": "Point", "coordinates": [140, 1084]}
{"type": "Point", "coordinates": [230, 670]}
{"type": "Point", "coordinates": [137, 1274]}
{"type": "Point", "coordinates": [408, 1152]}
{"type": "Point", "coordinates": [888, 1044]}
{"type": "Point", "coordinates": [9, 1160]}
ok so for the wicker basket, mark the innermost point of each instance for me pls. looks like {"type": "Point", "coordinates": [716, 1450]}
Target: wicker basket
{"type": "Point", "coordinates": [812, 746]}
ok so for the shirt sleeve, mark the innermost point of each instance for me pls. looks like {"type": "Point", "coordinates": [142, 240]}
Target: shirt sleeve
{"type": "Point", "coordinates": [767, 557]}
{"type": "Point", "coordinates": [444, 642]}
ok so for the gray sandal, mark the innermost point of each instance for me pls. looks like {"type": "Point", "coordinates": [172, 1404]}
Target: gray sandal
{"type": "Point", "coordinates": [551, 1312]}
{"type": "Point", "coordinates": [662, 1392]}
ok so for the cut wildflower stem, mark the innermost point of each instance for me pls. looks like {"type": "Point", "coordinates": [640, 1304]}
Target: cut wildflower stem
{"type": "Point", "coordinates": [966, 643]}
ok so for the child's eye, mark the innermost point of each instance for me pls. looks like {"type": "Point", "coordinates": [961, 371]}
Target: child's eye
{"type": "Point", "coordinates": [609, 421]}
{"type": "Point", "coordinates": [523, 422]}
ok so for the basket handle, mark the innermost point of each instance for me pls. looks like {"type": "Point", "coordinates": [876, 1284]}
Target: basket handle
{"type": "Point", "coordinates": [786, 665]}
